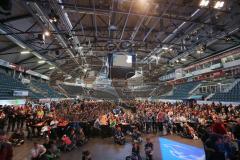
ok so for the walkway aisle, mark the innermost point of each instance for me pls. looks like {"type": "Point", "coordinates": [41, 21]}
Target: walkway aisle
{"type": "Point", "coordinates": [105, 149]}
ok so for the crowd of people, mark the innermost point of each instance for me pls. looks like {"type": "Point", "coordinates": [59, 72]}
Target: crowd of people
{"type": "Point", "coordinates": [68, 124]}
{"type": "Point", "coordinates": [218, 126]}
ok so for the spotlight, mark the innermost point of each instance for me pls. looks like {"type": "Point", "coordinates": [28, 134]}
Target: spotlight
{"type": "Point", "coordinates": [46, 33]}
{"type": "Point", "coordinates": [204, 3]}
{"type": "Point", "coordinates": [25, 52]}
{"type": "Point", "coordinates": [53, 18]}
{"type": "Point", "coordinates": [219, 4]}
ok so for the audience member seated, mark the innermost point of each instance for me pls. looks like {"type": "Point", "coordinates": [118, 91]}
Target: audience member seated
{"type": "Point", "coordinates": [37, 152]}
{"type": "Point", "coordinates": [53, 153]}
{"type": "Point", "coordinates": [136, 135]}
{"type": "Point", "coordinates": [119, 137]}
{"type": "Point", "coordinates": [17, 138]}
{"type": "Point", "coordinates": [80, 137]}
{"type": "Point", "coordinates": [66, 143]}
{"type": "Point", "coordinates": [189, 132]}
{"type": "Point", "coordinates": [218, 127]}
{"type": "Point", "coordinates": [236, 132]}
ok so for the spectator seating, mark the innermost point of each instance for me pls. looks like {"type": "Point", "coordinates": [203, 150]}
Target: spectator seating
{"type": "Point", "coordinates": [36, 90]}
{"type": "Point", "coordinates": [47, 91]}
{"type": "Point", "coordinates": [102, 95]}
{"type": "Point", "coordinates": [181, 91]}
{"type": "Point", "coordinates": [73, 91]}
{"type": "Point", "coordinates": [231, 96]}
{"type": "Point", "coordinates": [8, 85]}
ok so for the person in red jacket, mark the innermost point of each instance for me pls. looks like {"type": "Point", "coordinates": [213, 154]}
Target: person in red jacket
{"type": "Point", "coordinates": [218, 127]}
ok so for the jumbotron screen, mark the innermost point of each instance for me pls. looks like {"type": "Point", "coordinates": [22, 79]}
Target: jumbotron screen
{"type": "Point", "coordinates": [121, 60]}
{"type": "Point", "coordinates": [121, 65]}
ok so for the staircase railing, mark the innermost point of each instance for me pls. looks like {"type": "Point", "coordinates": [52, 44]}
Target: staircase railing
{"type": "Point", "coordinates": [194, 89]}
{"type": "Point", "coordinates": [232, 85]}
{"type": "Point", "coordinates": [62, 90]}
{"type": "Point", "coordinates": [209, 96]}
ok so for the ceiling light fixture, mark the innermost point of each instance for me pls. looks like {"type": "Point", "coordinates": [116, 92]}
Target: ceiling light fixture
{"type": "Point", "coordinates": [41, 62]}
{"type": "Point", "coordinates": [46, 33]}
{"type": "Point", "coordinates": [52, 67]}
{"type": "Point", "coordinates": [53, 18]}
{"type": "Point", "coordinates": [12, 66]}
{"type": "Point", "coordinates": [199, 51]}
{"type": "Point", "coordinates": [204, 3]}
{"type": "Point", "coordinates": [183, 59]}
{"type": "Point", "coordinates": [165, 48]}
{"type": "Point", "coordinates": [219, 4]}
{"type": "Point", "coordinates": [25, 52]}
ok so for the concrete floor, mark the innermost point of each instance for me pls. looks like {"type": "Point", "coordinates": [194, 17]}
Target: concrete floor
{"type": "Point", "coordinates": [105, 149]}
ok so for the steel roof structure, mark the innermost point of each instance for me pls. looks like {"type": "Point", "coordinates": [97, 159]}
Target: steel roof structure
{"type": "Point", "coordinates": [165, 34]}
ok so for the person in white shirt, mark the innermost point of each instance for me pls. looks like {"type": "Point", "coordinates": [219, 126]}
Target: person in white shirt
{"type": "Point", "coordinates": [37, 152]}
{"type": "Point", "coordinates": [54, 123]}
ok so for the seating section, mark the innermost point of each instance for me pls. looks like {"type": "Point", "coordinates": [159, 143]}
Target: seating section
{"type": "Point", "coordinates": [98, 94]}
{"type": "Point", "coordinates": [138, 93]}
{"type": "Point", "coordinates": [7, 85]}
{"type": "Point", "coordinates": [36, 90]}
{"type": "Point", "coordinates": [181, 91]}
{"type": "Point", "coordinates": [47, 91]}
{"type": "Point", "coordinates": [162, 89]}
{"type": "Point", "coordinates": [73, 91]}
{"type": "Point", "coordinates": [231, 96]}
{"type": "Point", "coordinates": [124, 93]}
